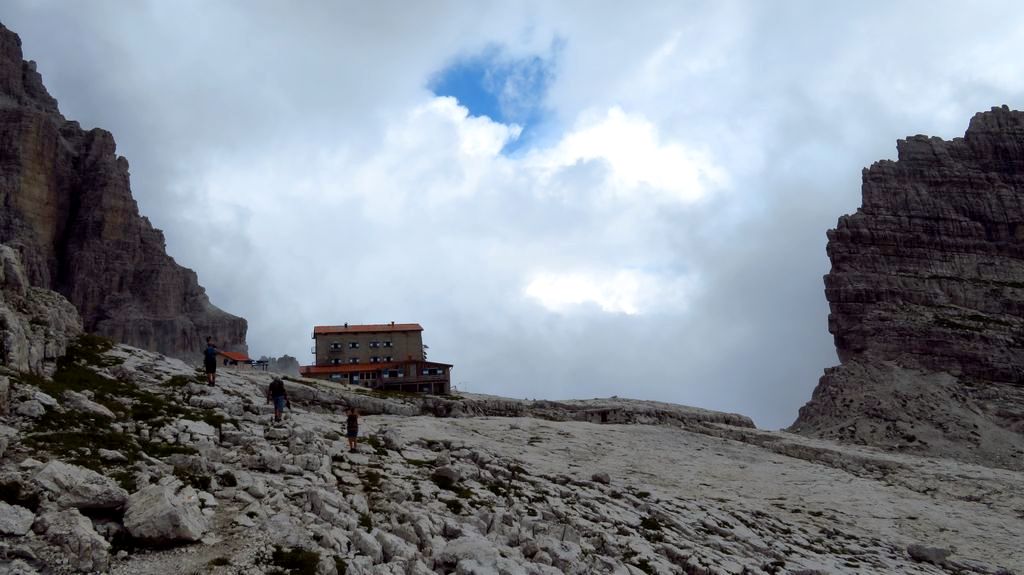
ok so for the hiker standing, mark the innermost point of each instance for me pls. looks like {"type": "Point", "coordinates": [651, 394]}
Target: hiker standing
{"type": "Point", "coordinates": [210, 361]}
{"type": "Point", "coordinates": [352, 428]}
{"type": "Point", "coordinates": [276, 393]}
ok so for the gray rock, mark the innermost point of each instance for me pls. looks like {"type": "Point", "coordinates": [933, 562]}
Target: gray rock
{"type": "Point", "coordinates": [446, 476]}
{"type": "Point", "coordinates": [45, 399]}
{"type": "Point", "coordinates": [924, 554]}
{"type": "Point", "coordinates": [368, 545]}
{"type": "Point", "coordinates": [5, 395]}
{"type": "Point", "coordinates": [112, 455]}
{"type": "Point", "coordinates": [392, 439]}
{"type": "Point", "coordinates": [85, 549]}
{"type": "Point", "coordinates": [30, 408]}
{"type": "Point", "coordinates": [166, 512]}
{"type": "Point", "coordinates": [394, 547]}
{"type": "Point", "coordinates": [74, 486]}
{"type": "Point", "coordinates": [15, 520]}
{"type": "Point", "coordinates": [601, 478]}
{"type": "Point", "coordinates": [80, 402]}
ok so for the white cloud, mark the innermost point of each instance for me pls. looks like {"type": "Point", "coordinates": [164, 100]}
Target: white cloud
{"type": "Point", "coordinates": [621, 291]}
{"type": "Point", "coordinates": [638, 158]}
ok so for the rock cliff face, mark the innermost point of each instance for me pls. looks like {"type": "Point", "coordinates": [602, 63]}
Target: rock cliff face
{"type": "Point", "coordinates": [68, 210]}
{"type": "Point", "coordinates": [927, 300]}
{"type": "Point", "coordinates": [36, 324]}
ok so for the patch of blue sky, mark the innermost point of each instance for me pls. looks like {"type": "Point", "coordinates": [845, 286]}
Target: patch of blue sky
{"type": "Point", "coordinates": [507, 90]}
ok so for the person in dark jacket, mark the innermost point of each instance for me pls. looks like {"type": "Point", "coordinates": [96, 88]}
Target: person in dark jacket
{"type": "Point", "coordinates": [210, 361]}
{"type": "Point", "coordinates": [277, 394]}
{"type": "Point", "coordinates": [352, 428]}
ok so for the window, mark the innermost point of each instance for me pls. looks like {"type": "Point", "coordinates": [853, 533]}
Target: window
{"type": "Point", "coordinates": [335, 361]}
{"type": "Point", "coordinates": [375, 359]}
{"type": "Point", "coordinates": [353, 360]}
{"type": "Point", "coordinates": [374, 344]}
{"type": "Point", "coordinates": [353, 345]}
{"type": "Point", "coordinates": [387, 344]}
{"type": "Point", "coordinates": [433, 371]}
{"type": "Point", "coordinates": [387, 358]}
{"type": "Point", "coordinates": [335, 345]}
{"type": "Point", "coordinates": [335, 377]}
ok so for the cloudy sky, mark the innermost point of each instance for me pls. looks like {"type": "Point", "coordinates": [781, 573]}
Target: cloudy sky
{"type": "Point", "coordinates": [575, 199]}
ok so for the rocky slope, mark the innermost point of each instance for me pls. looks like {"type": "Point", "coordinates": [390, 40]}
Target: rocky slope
{"type": "Point", "coordinates": [123, 463]}
{"type": "Point", "coordinates": [927, 301]}
{"type": "Point", "coordinates": [67, 209]}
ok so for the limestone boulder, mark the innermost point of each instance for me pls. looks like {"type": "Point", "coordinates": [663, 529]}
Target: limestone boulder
{"type": "Point", "coordinates": [73, 486]}
{"type": "Point", "coordinates": [15, 520]}
{"type": "Point", "coordinates": [166, 512]}
{"type": "Point", "coordinates": [79, 402]}
{"type": "Point", "coordinates": [73, 533]}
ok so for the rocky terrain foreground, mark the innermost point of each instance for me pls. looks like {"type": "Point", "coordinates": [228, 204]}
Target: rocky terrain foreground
{"type": "Point", "coordinates": [121, 461]}
{"type": "Point", "coordinates": [926, 294]}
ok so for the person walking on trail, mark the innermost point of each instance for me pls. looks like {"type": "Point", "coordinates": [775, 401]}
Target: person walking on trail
{"type": "Point", "coordinates": [352, 428]}
{"type": "Point", "coordinates": [276, 393]}
{"type": "Point", "coordinates": [210, 361]}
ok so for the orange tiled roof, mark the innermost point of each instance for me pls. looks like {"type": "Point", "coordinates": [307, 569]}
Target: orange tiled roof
{"type": "Point", "coordinates": [235, 356]}
{"type": "Point", "coordinates": [366, 328]}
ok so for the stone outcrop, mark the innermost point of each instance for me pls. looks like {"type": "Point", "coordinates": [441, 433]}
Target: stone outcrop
{"type": "Point", "coordinates": [73, 486]}
{"type": "Point", "coordinates": [73, 533]}
{"type": "Point", "coordinates": [927, 301]}
{"type": "Point", "coordinates": [166, 512]}
{"type": "Point", "coordinates": [36, 324]}
{"type": "Point", "coordinates": [68, 210]}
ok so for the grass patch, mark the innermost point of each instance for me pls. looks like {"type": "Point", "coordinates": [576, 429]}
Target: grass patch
{"type": "Point", "coordinates": [11, 493]}
{"type": "Point", "coordinates": [197, 480]}
{"type": "Point", "coordinates": [178, 382]}
{"type": "Point", "coordinates": [454, 505]}
{"type": "Point", "coordinates": [644, 565]}
{"type": "Point", "coordinates": [160, 450]}
{"type": "Point", "coordinates": [371, 480]}
{"type": "Point", "coordinates": [651, 523]}
{"type": "Point", "coordinates": [295, 561]}
{"type": "Point", "coordinates": [125, 478]}
{"type": "Point", "coordinates": [378, 446]}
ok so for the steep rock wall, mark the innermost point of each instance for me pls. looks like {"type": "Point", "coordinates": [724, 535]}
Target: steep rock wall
{"type": "Point", "coordinates": [69, 211]}
{"type": "Point", "coordinates": [926, 294]}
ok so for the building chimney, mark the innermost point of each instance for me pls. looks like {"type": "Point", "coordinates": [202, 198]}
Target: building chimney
{"type": "Point", "coordinates": [346, 324]}
{"type": "Point", "coordinates": [392, 323]}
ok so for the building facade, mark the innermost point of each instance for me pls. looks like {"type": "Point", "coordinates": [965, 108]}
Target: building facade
{"type": "Point", "coordinates": [380, 356]}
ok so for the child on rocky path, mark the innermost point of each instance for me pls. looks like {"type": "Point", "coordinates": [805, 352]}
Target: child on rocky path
{"type": "Point", "coordinates": [352, 428]}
